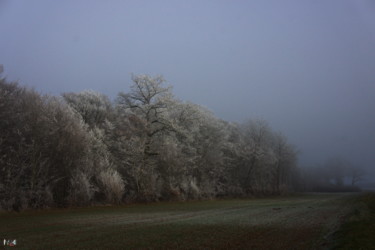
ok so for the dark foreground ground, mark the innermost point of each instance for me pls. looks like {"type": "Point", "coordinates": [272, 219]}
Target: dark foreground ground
{"type": "Point", "coordinates": [309, 221]}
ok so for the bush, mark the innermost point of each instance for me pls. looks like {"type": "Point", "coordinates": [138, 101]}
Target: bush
{"type": "Point", "coordinates": [112, 185]}
{"type": "Point", "coordinates": [81, 189]}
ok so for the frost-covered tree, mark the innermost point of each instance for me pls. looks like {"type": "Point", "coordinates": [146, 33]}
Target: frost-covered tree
{"type": "Point", "coordinates": [99, 116]}
{"type": "Point", "coordinates": [42, 142]}
{"type": "Point", "coordinates": [185, 162]}
{"type": "Point", "coordinates": [144, 110]}
{"type": "Point", "coordinates": [209, 143]}
{"type": "Point", "coordinates": [95, 108]}
{"type": "Point", "coordinates": [257, 155]}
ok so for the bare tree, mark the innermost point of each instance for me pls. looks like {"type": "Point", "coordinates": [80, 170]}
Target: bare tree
{"type": "Point", "coordinates": [285, 164]}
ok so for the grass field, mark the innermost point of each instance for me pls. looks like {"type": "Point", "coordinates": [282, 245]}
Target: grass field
{"type": "Point", "coordinates": [358, 231]}
{"type": "Point", "coordinates": [298, 222]}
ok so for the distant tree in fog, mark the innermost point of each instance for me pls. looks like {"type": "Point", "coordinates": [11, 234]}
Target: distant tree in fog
{"type": "Point", "coordinates": [356, 174]}
{"type": "Point", "coordinates": [337, 175]}
{"type": "Point", "coordinates": [336, 170]}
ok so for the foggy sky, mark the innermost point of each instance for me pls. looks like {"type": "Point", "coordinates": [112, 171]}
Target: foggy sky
{"type": "Point", "coordinates": [307, 67]}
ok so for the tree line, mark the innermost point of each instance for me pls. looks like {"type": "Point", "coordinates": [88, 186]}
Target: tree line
{"type": "Point", "coordinates": [335, 175]}
{"type": "Point", "coordinates": [146, 145]}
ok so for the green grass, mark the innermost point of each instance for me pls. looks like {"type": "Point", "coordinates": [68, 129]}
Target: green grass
{"type": "Point", "coordinates": [298, 222]}
{"type": "Point", "coordinates": [358, 232]}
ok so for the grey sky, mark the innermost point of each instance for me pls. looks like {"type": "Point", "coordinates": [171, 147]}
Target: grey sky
{"type": "Point", "coordinates": [307, 67]}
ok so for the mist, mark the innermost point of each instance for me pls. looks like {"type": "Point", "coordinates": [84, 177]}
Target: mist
{"type": "Point", "coordinates": [305, 67]}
